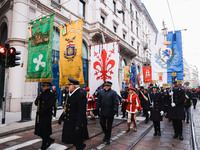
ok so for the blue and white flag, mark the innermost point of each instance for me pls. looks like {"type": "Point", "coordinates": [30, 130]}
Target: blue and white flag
{"type": "Point", "coordinates": [133, 77]}
{"type": "Point", "coordinates": [167, 59]}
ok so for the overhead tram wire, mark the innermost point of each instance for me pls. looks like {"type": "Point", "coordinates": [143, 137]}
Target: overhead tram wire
{"type": "Point", "coordinates": [171, 14]}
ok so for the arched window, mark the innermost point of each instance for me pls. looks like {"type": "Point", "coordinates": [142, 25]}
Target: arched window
{"type": "Point", "coordinates": [85, 64]}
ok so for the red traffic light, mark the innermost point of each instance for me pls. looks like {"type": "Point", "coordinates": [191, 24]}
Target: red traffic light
{"type": "Point", "coordinates": [12, 50]}
{"type": "Point", "coordinates": [2, 50]}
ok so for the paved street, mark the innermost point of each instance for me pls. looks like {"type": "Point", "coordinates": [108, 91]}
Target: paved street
{"type": "Point", "coordinates": [120, 140]}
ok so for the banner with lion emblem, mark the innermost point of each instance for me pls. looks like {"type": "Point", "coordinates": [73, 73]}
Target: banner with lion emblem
{"type": "Point", "coordinates": [167, 60]}
{"type": "Point", "coordinates": [39, 64]}
{"type": "Point", "coordinates": [71, 64]}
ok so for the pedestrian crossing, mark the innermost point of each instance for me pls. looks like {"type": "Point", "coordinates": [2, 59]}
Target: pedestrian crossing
{"type": "Point", "coordinates": [54, 146]}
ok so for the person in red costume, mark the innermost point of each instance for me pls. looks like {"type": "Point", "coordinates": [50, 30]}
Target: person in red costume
{"type": "Point", "coordinates": [133, 107]}
{"type": "Point", "coordinates": [91, 104]}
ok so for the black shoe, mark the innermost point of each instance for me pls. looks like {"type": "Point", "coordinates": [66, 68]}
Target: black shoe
{"type": "Point", "coordinates": [155, 134]}
{"type": "Point", "coordinates": [81, 146]}
{"type": "Point", "coordinates": [159, 134]}
{"type": "Point", "coordinates": [187, 122]}
{"type": "Point", "coordinates": [175, 136]}
{"type": "Point", "coordinates": [104, 139]}
{"type": "Point", "coordinates": [108, 141]}
{"type": "Point", "coordinates": [181, 138]}
{"type": "Point", "coordinates": [146, 121]}
{"type": "Point", "coordinates": [123, 116]}
{"type": "Point", "coordinates": [50, 142]}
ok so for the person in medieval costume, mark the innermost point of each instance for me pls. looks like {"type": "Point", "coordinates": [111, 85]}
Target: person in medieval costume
{"type": "Point", "coordinates": [133, 106]}
{"type": "Point", "coordinates": [74, 117]}
{"type": "Point", "coordinates": [156, 109]}
{"type": "Point", "coordinates": [91, 104]}
{"type": "Point", "coordinates": [46, 108]}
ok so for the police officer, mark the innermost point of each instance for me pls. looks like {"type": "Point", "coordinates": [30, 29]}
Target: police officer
{"type": "Point", "coordinates": [156, 109]}
{"type": "Point", "coordinates": [194, 97]}
{"type": "Point", "coordinates": [74, 117]}
{"type": "Point", "coordinates": [166, 99]}
{"type": "Point", "coordinates": [108, 103]}
{"type": "Point", "coordinates": [46, 107]}
{"type": "Point", "coordinates": [176, 110]}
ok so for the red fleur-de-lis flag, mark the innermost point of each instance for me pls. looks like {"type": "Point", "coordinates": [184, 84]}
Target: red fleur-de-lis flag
{"type": "Point", "coordinates": [104, 66]}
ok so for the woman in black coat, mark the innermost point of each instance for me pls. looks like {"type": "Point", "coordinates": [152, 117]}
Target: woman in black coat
{"type": "Point", "coordinates": [156, 109]}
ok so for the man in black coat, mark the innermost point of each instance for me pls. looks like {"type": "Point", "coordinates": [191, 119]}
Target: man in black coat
{"type": "Point", "coordinates": [145, 103]}
{"type": "Point", "coordinates": [166, 99]}
{"type": "Point", "coordinates": [156, 109]}
{"type": "Point", "coordinates": [194, 97]}
{"type": "Point", "coordinates": [108, 103]}
{"type": "Point", "coordinates": [46, 107]}
{"type": "Point", "coordinates": [74, 117]}
{"type": "Point", "coordinates": [187, 104]}
{"type": "Point", "coordinates": [176, 110]}
{"type": "Point", "coordinates": [124, 95]}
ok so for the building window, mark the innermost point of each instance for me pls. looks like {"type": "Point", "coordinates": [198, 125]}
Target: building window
{"type": "Point", "coordinates": [138, 49]}
{"type": "Point", "coordinates": [124, 36]}
{"type": "Point", "coordinates": [131, 7]}
{"type": "Point", "coordinates": [132, 42]}
{"type": "Point", "coordinates": [114, 6]}
{"type": "Point", "coordinates": [131, 25]}
{"type": "Point", "coordinates": [123, 15]}
{"type": "Point", "coordinates": [137, 31]}
{"type": "Point", "coordinates": [102, 20]}
{"type": "Point", "coordinates": [81, 8]}
{"type": "Point", "coordinates": [115, 29]}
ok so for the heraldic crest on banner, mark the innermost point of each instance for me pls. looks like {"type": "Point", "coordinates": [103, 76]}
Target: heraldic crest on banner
{"type": "Point", "coordinates": [167, 57]}
{"type": "Point", "coordinates": [71, 51]}
{"type": "Point", "coordinates": [104, 65]}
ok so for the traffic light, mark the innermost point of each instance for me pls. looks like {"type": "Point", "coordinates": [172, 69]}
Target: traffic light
{"type": "Point", "coordinates": [12, 57]}
{"type": "Point", "coordinates": [2, 55]}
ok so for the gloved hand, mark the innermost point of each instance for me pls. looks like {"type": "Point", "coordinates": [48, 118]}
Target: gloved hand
{"type": "Point", "coordinates": [161, 113]}
{"type": "Point", "coordinates": [171, 93]}
{"type": "Point", "coordinates": [173, 104]}
{"type": "Point", "coordinates": [149, 112]}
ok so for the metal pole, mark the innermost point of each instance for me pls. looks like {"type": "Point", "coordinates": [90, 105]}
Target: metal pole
{"type": "Point", "coordinates": [5, 91]}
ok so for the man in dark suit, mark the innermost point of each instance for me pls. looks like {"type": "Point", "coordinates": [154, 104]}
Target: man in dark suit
{"type": "Point", "coordinates": [74, 117]}
{"type": "Point", "coordinates": [187, 104]}
{"type": "Point", "coordinates": [108, 103]}
{"type": "Point", "coordinates": [176, 110]}
{"type": "Point", "coordinates": [46, 107]}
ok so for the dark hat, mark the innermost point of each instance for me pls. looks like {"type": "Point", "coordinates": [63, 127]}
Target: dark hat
{"type": "Point", "coordinates": [145, 89]}
{"type": "Point", "coordinates": [131, 88]}
{"type": "Point", "coordinates": [126, 86]}
{"type": "Point", "coordinates": [141, 87]}
{"type": "Point", "coordinates": [174, 81]}
{"type": "Point", "coordinates": [151, 84]}
{"type": "Point", "coordinates": [107, 83]}
{"type": "Point", "coordinates": [73, 81]}
{"type": "Point", "coordinates": [46, 84]}
{"type": "Point", "coordinates": [155, 86]}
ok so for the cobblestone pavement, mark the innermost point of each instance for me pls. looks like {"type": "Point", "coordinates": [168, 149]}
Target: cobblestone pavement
{"type": "Point", "coordinates": [196, 119]}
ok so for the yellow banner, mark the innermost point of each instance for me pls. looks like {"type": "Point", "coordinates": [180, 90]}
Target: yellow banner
{"type": "Point", "coordinates": [71, 64]}
{"type": "Point", "coordinates": [126, 73]}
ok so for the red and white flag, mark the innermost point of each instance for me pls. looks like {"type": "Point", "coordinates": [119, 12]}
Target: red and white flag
{"type": "Point", "coordinates": [147, 74]}
{"type": "Point", "coordinates": [104, 66]}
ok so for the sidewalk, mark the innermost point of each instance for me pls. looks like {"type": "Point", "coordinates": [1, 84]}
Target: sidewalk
{"type": "Point", "coordinates": [14, 124]}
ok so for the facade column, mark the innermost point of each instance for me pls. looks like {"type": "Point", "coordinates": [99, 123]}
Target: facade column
{"type": "Point", "coordinates": [18, 39]}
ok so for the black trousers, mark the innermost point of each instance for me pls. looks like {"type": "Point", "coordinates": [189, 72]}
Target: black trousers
{"type": "Point", "coordinates": [106, 125]}
{"type": "Point", "coordinates": [45, 141]}
{"type": "Point", "coordinates": [178, 126]}
{"type": "Point", "coordinates": [156, 125]}
{"type": "Point", "coordinates": [145, 111]}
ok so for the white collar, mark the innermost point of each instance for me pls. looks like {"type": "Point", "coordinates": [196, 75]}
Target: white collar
{"type": "Point", "coordinates": [70, 94]}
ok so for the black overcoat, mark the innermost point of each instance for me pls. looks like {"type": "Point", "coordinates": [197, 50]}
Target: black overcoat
{"type": "Point", "coordinates": [194, 97]}
{"type": "Point", "coordinates": [157, 105]}
{"type": "Point", "coordinates": [46, 104]}
{"type": "Point", "coordinates": [187, 102]}
{"type": "Point", "coordinates": [74, 115]}
{"type": "Point", "coordinates": [177, 112]}
{"type": "Point", "coordinates": [144, 103]}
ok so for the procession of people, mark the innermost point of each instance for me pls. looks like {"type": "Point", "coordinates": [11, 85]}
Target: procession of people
{"type": "Point", "coordinates": [173, 103]}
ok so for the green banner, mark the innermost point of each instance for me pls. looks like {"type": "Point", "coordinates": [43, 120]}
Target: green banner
{"type": "Point", "coordinates": [39, 65]}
